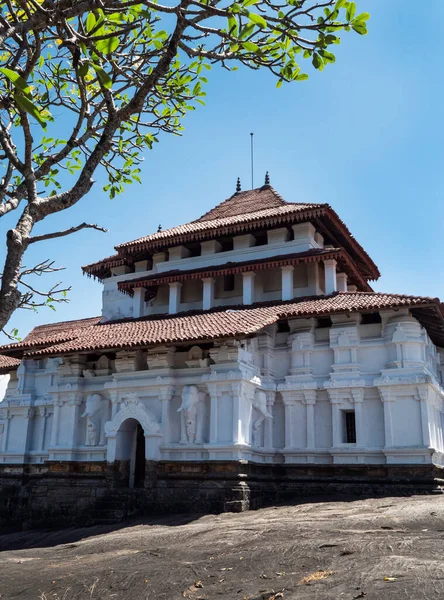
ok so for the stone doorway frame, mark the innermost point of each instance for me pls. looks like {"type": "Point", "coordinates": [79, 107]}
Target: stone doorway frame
{"type": "Point", "coordinates": [147, 421]}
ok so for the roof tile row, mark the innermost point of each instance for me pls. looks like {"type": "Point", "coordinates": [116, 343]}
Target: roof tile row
{"type": "Point", "coordinates": [90, 335]}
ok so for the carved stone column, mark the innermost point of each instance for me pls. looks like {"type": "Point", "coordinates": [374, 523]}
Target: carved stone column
{"type": "Point", "coordinates": [73, 406]}
{"type": "Point", "coordinates": [422, 395]}
{"type": "Point", "coordinates": [214, 393]}
{"type": "Point", "coordinates": [237, 392]}
{"type": "Point", "coordinates": [330, 276]}
{"type": "Point", "coordinates": [335, 400]}
{"type": "Point", "coordinates": [387, 397]}
{"type": "Point", "coordinates": [289, 399]}
{"type": "Point", "coordinates": [139, 302]}
{"type": "Point", "coordinates": [310, 401]}
{"type": "Point", "coordinates": [43, 412]}
{"type": "Point", "coordinates": [287, 282]}
{"type": "Point", "coordinates": [268, 423]}
{"type": "Point", "coordinates": [166, 395]}
{"type": "Point", "coordinates": [208, 293]}
{"type": "Point", "coordinates": [248, 287]}
{"type": "Point", "coordinates": [58, 403]}
{"type": "Point", "coordinates": [174, 302]}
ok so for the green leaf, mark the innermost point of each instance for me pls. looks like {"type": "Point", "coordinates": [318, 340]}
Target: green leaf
{"type": "Point", "coordinates": [279, 83]}
{"type": "Point", "coordinates": [328, 56]}
{"type": "Point", "coordinates": [83, 69]}
{"type": "Point", "coordinates": [107, 46]}
{"type": "Point", "coordinates": [363, 17]}
{"type": "Point", "coordinates": [103, 76]}
{"type": "Point", "coordinates": [25, 103]}
{"type": "Point", "coordinates": [246, 31]}
{"type": "Point", "coordinates": [317, 61]}
{"type": "Point", "coordinates": [257, 20]}
{"type": "Point", "coordinates": [351, 11]}
{"type": "Point", "coordinates": [251, 47]}
{"type": "Point", "coordinates": [249, 2]}
{"type": "Point", "coordinates": [340, 4]}
{"type": "Point", "coordinates": [302, 77]}
{"type": "Point", "coordinates": [90, 22]}
{"type": "Point", "coordinates": [17, 80]}
{"type": "Point", "coordinates": [232, 25]}
{"type": "Point", "coordinates": [360, 27]}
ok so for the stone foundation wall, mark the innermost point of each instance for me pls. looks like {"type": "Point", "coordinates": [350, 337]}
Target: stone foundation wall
{"type": "Point", "coordinates": [75, 493]}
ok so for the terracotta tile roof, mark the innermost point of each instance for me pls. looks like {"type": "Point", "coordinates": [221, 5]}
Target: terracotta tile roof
{"type": "Point", "coordinates": [243, 212]}
{"type": "Point", "coordinates": [52, 333]}
{"type": "Point", "coordinates": [242, 203]}
{"type": "Point", "coordinates": [238, 321]}
{"type": "Point", "coordinates": [102, 268]}
{"type": "Point", "coordinates": [7, 363]}
{"type": "Point", "coordinates": [255, 209]}
{"type": "Point", "coordinates": [201, 229]}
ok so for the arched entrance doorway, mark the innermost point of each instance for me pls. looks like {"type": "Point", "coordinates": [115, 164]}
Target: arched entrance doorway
{"type": "Point", "coordinates": [133, 437]}
{"type": "Point", "coordinates": [130, 453]}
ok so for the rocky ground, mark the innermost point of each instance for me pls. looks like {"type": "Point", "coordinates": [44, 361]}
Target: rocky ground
{"type": "Point", "coordinates": [375, 549]}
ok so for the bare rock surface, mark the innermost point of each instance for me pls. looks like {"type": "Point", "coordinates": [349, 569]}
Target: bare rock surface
{"type": "Point", "coordinates": [384, 548]}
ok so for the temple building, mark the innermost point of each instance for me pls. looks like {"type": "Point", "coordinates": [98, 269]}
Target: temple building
{"type": "Point", "coordinates": [239, 355]}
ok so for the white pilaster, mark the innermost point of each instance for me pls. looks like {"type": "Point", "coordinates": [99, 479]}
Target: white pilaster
{"type": "Point", "coordinates": [139, 302]}
{"type": "Point", "coordinates": [56, 422]}
{"type": "Point", "coordinates": [268, 423]}
{"type": "Point", "coordinates": [341, 280]}
{"type": "Point", "coordinates": [237, 413]}
{"type": "Point", "coordinates": [287, 282]}
{"type": "Point", "coordinates": [248, 287]}
{"type": "Point", "coordinates": [387, 398]}
{"type": "Point", "coordinates": [330, 276]}
{"type": "Point", "coordinates": [208, 293]}
{"type": "Point", "coordinates": [174, 305]}
{"type": "Point", "coordinates": [166, 395]}
{"type": "Point", "coordinates": [422, 396]}
{"type": "Point", "coordinates": [310, 401]}
{"type": "Point", "coordinates": [214, 397]}
{"type": "Point", "coordinates": [43, 412]}
{"type": "Point", "coordinates": [358, 399]}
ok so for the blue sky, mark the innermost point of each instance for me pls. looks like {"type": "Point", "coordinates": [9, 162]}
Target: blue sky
{"type": "Point", "coordinates": [365, 136]}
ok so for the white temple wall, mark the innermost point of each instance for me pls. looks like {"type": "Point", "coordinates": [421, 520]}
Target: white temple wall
{"type": "Point", "coordinates": [115, 304]}
{"type": "Point", "coordinates": [215, 404]}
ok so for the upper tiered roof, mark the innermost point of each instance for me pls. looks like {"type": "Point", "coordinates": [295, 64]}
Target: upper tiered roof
{"type": "Point", "coordinates": [243, 212]}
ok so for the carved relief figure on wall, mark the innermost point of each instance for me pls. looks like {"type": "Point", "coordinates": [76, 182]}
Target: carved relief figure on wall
{"type": "Point", "coordinates": [192, 417]}
{"type": "Point", "coordinates": [94, 427]}
{"type": "Point", "coordinates": [260, 406]}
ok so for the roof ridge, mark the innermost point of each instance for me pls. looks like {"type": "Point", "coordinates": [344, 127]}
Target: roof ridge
{"type": "Point", "coordinates": [362, 292]}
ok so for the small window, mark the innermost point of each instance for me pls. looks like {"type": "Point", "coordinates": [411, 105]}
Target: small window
{"type": "Point", "coordinates": [349, 427]}
{"type": "Point", "coordinates": [228, 283]}
{"type": "Point", "coordinates": [324, 323]}
{"type": "Point", "coordinates": [370, 318]}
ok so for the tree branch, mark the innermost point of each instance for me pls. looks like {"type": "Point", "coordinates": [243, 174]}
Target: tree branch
{"type": "Point", "coordinates": [57, 234]}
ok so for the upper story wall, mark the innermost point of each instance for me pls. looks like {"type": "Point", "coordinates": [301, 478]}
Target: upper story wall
{"type": "Point", "coordinates": [268, 284]}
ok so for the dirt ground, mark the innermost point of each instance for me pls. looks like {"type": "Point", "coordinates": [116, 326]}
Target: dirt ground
{"type": "Point", "coordinates": [375, 549]}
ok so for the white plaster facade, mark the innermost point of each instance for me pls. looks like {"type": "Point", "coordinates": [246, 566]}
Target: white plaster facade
{"type": "Point", "coordinates": [277, 397]}
{"type": "Point", "coordinates": [348, 388]}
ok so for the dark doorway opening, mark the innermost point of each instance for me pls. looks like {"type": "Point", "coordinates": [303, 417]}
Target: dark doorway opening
{"type": "Point", "coordinates": [139, 458]}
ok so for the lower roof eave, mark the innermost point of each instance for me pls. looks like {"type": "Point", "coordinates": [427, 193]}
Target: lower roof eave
{"type": "Point", "coordinates": [235, 322]}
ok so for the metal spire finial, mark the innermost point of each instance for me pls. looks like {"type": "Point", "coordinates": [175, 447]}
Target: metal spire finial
{"type": "Point", "coordinates": [159, 229]}
{"type": "Point", "coordinates": [267, 178]}
{"type": "Point", "coordinates": [238, 185]}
